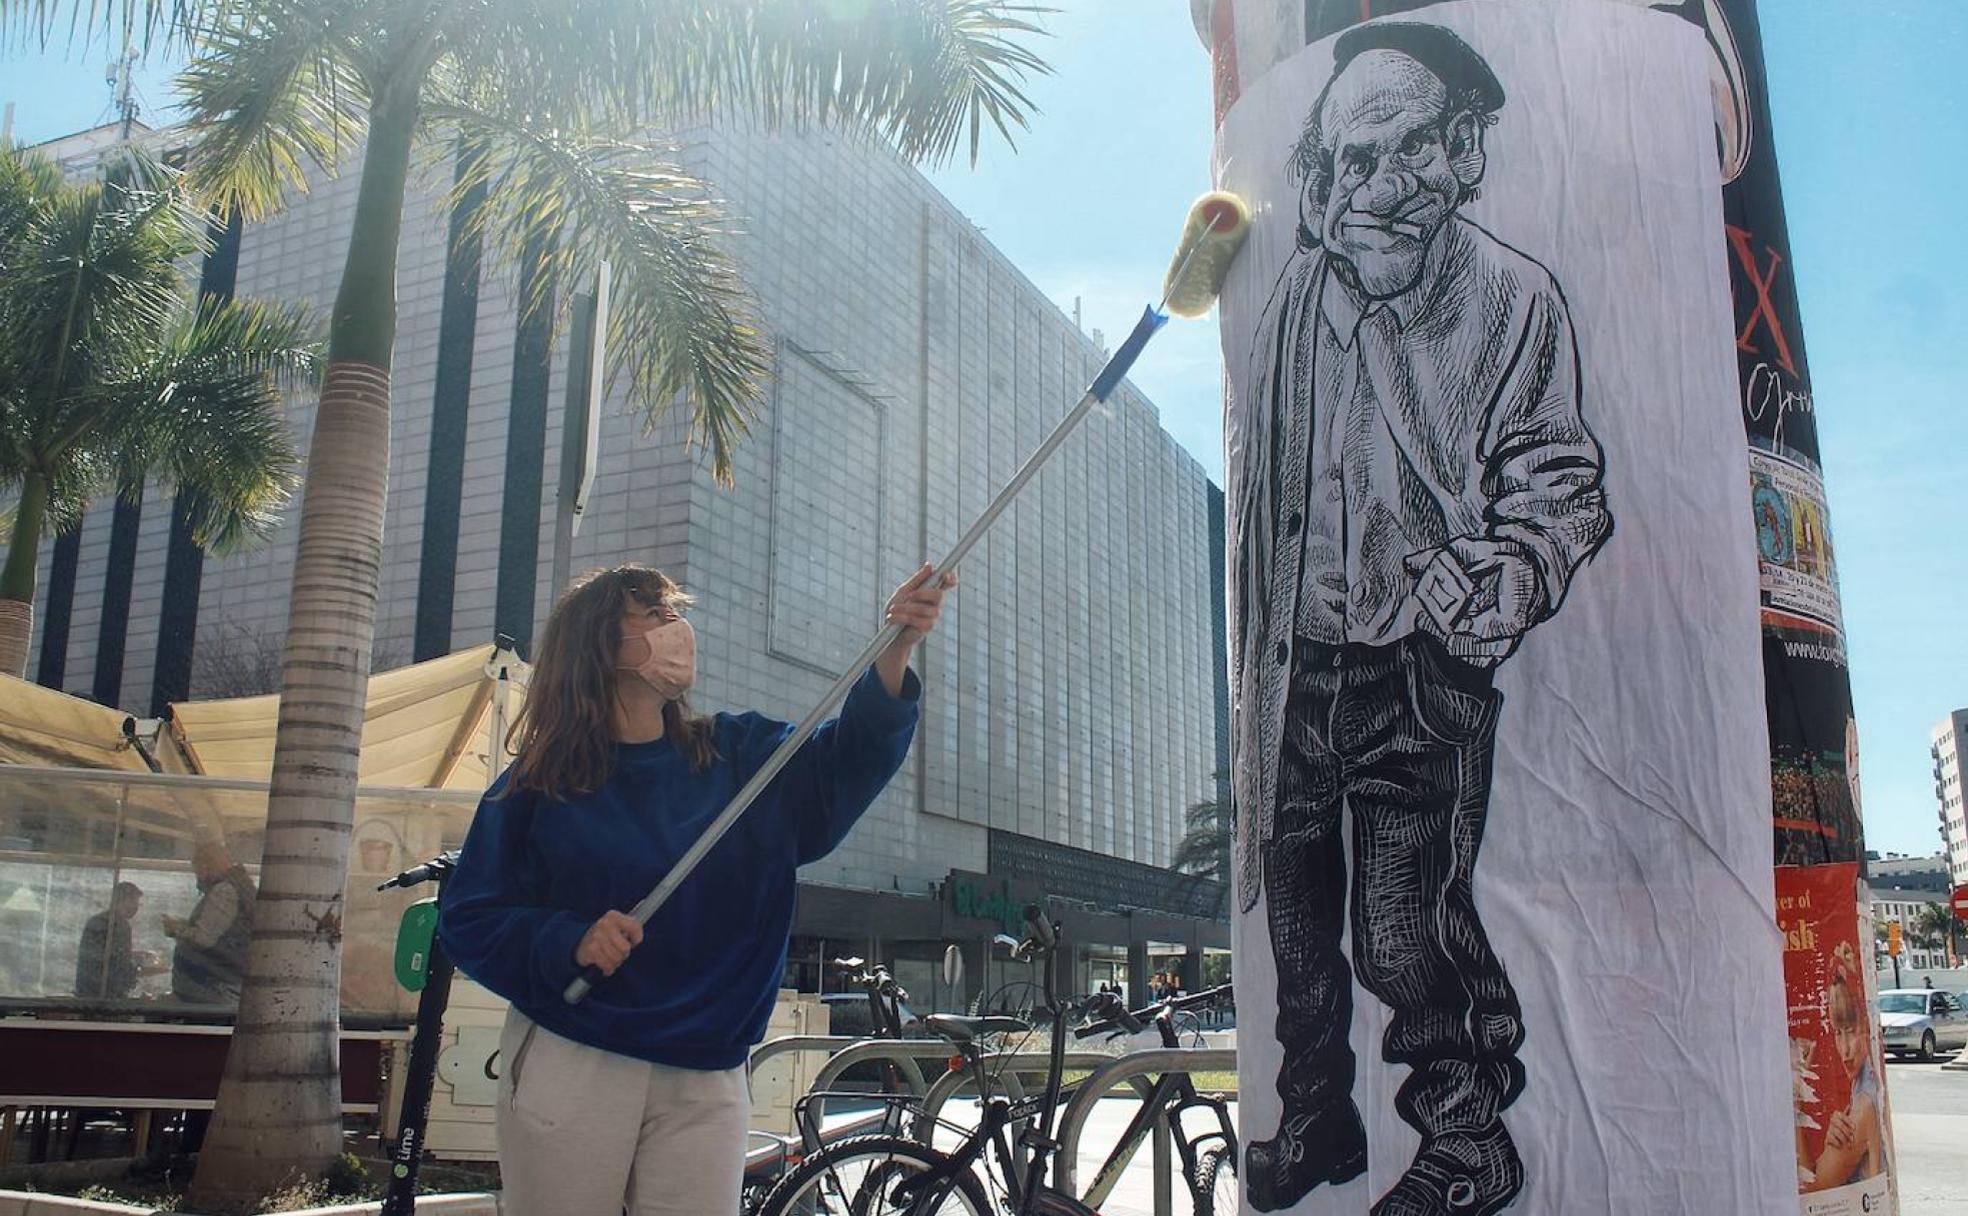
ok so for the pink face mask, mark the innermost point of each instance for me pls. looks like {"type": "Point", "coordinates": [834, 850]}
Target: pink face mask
{"type": "Point", "coordinates": [669, 656]}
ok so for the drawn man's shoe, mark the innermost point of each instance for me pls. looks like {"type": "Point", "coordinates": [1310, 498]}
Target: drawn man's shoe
{"type": "Point", "coordinates": [1458, 1174]}
{"type": "Point", "coordinates": [1309, 1149]}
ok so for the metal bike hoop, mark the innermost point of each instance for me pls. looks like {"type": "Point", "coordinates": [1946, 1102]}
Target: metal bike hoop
{"type": "Point", "coordinates": [1009, 1068]}
{"type": "Point", "coordinates": [1152, 1062]}
{"type": "Point", "coordinates": [798, 1042]}
{"type": "Point", "coordinates": [903, 1052]}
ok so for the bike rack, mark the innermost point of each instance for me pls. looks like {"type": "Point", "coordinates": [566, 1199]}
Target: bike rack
{"type": "Point", "coordinates": [1008, 1068]}
{"type": "Point", "coordinates": [1139, 1064]}
{"type": "Point", "coordinates": [797, 1042]}
{"type": "Point", "coordinates": [1109, 1073]}
{"type": "Point", "coordinates": [903, 1052]}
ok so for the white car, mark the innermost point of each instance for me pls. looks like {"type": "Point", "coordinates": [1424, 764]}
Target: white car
{"type": "Point", "coordinates": [1921, 1021]}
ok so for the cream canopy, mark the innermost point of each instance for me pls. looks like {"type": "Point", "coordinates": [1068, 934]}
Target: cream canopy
{"type": "Point", "coordinates": [429, 725]}
{"type": "Point", "coordinates": [42, 726]}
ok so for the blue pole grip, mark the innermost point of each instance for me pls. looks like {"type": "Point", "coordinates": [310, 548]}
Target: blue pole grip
{"type": "Point", "coordinates": [1117, 367]}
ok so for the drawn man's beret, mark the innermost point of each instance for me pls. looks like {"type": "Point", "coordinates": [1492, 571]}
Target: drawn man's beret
{"type": "Point", "coordinates": [1441, 52]}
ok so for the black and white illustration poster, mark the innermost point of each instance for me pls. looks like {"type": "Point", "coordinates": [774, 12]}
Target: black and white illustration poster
{"type": "Point", "coordinates": [1506, 938]}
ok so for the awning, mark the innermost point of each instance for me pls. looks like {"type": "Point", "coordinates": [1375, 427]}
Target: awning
{"type": "Point", "coordinates": [42, 726]}
{"type": "Point", "coordinates": [429, 725]}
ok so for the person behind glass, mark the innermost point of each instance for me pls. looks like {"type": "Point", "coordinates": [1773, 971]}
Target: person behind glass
{"type": "Point", "coordinates": [106, 962]}
{"type": "Point", "coordinates": [637, 1097]}
{"type": "Point", "coordinates": [208, 958]}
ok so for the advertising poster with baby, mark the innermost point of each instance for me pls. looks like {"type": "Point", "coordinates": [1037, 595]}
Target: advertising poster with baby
{"type": "Point", "coordinates": [1836, 1068]}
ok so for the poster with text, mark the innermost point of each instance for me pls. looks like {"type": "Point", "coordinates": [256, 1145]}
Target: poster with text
{"type": "Point", "coordinates": [1837, 1070]}
{"type": "Point", "coordinates": [1500, 757]}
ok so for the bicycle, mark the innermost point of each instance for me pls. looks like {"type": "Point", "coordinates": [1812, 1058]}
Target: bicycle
{"type": "Point", "coordinates": [1209, 1157]}
{"type": "Point", "coordinates": [883, 1174]}
{"type": "Point", "coordinates": [767, 1162]}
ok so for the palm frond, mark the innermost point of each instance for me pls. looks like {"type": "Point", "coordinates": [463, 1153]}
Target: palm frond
{"type": "Point", "coordinates": [148, 24]}
{"type": "Point", "coordinates": [1205, 845]}
{"type": "Point", "coordinates": [27, 183]}
{"type": "Point", "coordinates": [206, 414]}
{"type": "Point", "coordinates": [271, 92]}
{"type": "Point", "coordinates": [927, 75]}
{"type": "Point", "coordinates": [681, 324]}
{"type": "Point", "coordinates": [91, 280]}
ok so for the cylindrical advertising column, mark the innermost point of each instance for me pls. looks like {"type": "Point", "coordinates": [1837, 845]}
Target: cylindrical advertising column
{"type": "Point", "coordinates": [1501, 596]}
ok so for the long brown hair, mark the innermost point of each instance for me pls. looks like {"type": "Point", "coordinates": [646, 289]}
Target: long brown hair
{"type": "Point", "coordinates": [565, 731]}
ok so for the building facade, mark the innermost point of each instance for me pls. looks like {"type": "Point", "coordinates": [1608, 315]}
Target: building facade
{"type": "Point", "coordinates": [1905, 907]}
{"type": "Point", "coordinates": [1905, 873]}
{"type": "Point", "coordinates": [1075, 694]}
{"type": "Point", "coordinates": [1950, 741]}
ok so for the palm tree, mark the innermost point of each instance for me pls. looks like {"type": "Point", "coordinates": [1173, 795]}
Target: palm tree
{"type": "Point", "coordinates": [1204, 850]}
{"type": "Point", "coordinates": [110, 375]}
{"type": "Point", "coordinates": [1933, 927]}
{"type": "Point", "coordinates": [546, 88]}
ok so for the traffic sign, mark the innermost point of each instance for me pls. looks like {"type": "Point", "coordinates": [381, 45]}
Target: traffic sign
{"type": "Point", "coordinates": [1893, 938]}
{"type": "Point", "coordinates": [1961, 902]}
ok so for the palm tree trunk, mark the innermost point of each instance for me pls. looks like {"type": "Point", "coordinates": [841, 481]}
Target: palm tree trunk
{"type": "Point", "coordinates": [279, 1104]}
{"type": "Point", "coordinates": [17, 578]}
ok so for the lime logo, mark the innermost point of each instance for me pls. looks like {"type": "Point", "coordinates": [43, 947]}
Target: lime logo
{"type": "Point", "coordinates": [401, 1171]}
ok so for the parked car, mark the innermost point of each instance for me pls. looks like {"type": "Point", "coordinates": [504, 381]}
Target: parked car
{"type": "Point", "coordinates": [1922, 1022]}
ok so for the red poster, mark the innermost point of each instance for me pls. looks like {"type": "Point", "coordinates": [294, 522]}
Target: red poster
{"type": "Point", "coordinates": [1836, 1065]}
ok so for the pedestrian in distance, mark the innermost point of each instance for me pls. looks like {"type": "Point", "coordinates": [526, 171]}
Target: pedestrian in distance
{"type": "Point", "coordinates": [636, 1099]}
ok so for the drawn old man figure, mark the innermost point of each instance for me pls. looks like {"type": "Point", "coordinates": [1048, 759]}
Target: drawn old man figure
{"type": "Point", "coordinates": [1416, 491]}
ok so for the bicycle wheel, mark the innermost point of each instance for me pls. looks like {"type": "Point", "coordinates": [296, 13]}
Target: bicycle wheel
{"type": "Point", "coordinates": [857, 1177]}
{"type": "Point", "coordinates": [1216, 1183]}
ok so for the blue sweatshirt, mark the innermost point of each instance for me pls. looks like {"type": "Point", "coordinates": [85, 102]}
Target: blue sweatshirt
{"type": "Point", "coordinates": [535, 874]}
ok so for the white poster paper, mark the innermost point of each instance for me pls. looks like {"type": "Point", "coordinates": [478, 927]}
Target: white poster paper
{"type": "Point", "coordinates": [1506, 938]}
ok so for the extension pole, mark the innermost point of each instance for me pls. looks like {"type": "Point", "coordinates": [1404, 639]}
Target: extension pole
{"type": "Point", "coordinates": [1216, 228]}
{"type": "Point", "coordinates": [1103, 385]}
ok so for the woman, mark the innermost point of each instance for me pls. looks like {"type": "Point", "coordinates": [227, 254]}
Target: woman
{"type": "Point", "coordinates": [637, 1096]}
{"type": "Point", "coordinates": [1851, 1150]}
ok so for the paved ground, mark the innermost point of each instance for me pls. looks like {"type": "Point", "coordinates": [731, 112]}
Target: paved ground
{"type": "Point", "coordinates": [1930, 1137]}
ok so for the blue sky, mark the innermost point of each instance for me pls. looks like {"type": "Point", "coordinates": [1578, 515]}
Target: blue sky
{"type": "Point", "coordinates": [1868, 104]}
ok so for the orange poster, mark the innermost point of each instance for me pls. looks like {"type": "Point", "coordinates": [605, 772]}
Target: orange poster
{"type": "Point", "coordinates": [1836, 1065]}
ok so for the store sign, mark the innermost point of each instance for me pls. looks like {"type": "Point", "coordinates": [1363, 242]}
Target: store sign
{"type": "Point", "coordinates": [981, 897]}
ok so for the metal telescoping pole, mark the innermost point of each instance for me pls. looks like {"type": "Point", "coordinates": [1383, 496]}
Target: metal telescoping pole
{"type": "Point", "coordinates": [1110, 377]}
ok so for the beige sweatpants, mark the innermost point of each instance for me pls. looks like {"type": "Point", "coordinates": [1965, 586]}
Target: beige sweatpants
{"type": "Point", "coordinates": [586, 1132]}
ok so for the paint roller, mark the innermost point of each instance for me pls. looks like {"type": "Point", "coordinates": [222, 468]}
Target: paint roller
{"type": "Point", "coordinates": [1215, 230]}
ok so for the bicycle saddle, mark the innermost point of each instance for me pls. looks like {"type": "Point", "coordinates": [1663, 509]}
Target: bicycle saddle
{"type": "Point", "coordinates": [962, 1030]}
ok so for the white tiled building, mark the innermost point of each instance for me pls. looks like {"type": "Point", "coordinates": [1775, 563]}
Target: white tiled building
{"type": "Point", "coordinates": [1903, 907]}
{"type": "Point", "coordinates": [1949, 745]}
{"type": "Point", "coordinates": [1073, 690]}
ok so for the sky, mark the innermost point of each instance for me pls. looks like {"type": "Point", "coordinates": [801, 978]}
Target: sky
{"type": "Point", "coordinates": [1867, 106]}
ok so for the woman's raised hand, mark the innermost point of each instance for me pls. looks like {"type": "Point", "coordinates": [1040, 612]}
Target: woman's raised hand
{"type": "Point", "coordinates": [916, 605]}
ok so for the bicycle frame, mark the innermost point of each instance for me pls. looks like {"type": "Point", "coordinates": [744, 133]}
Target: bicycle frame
{"type": "Point", "coordinates": [1173, 1094]}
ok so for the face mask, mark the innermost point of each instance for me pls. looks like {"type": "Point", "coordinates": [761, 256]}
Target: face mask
{"type": "Point", "coordinates": [670, 663]}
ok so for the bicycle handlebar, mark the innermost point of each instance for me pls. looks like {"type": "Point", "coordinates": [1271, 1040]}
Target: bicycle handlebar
{"type": "Point", "coordinates": [1044, 932]}
{"type": "Point", "coordinates": [1112, 1013]}
{"type": "Point", "coordinates": [438, 867]}
{"type": "Point", "coordinates": [1133, 1021]}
